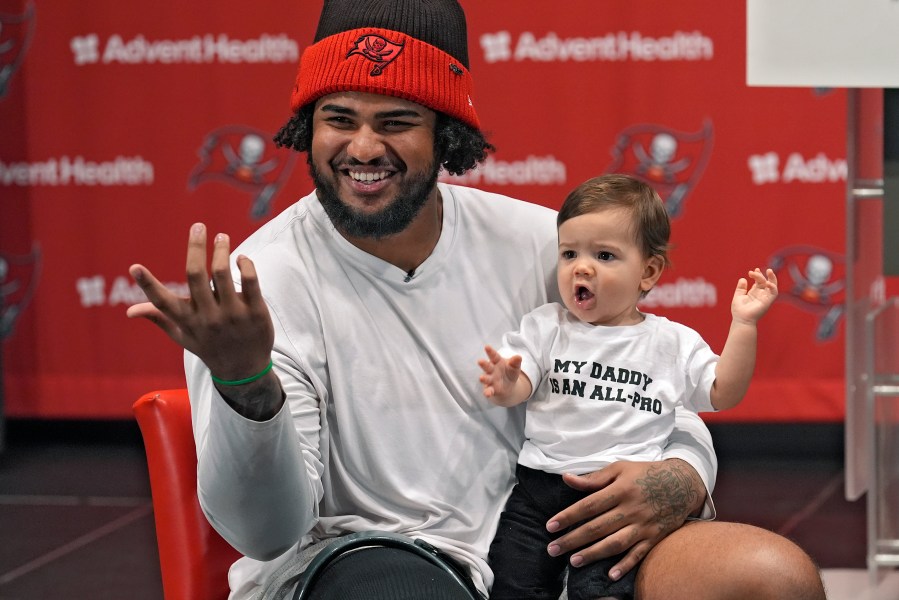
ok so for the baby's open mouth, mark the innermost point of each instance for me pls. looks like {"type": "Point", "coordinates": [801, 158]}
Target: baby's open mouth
{"type": "Point", "coordinates": [582, 294]}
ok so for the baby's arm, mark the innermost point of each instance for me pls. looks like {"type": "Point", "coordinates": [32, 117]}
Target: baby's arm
{"type": "Point", "coordinates": [504, 382]}
{"type": "Point", "coordinates": [737, 362]}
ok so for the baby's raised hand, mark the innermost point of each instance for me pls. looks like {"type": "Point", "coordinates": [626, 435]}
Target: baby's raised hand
{"type": "Point", "coordinates": [499, 374]}
{"type": "Point", "coordinates": [750, 303]}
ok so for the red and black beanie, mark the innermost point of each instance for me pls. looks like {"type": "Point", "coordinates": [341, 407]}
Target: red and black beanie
{"type": "Point", "coordinates": [411, 49]}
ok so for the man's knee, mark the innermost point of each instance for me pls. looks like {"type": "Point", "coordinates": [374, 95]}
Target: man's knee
{"type": "Point", "coordinates": [728, 561]}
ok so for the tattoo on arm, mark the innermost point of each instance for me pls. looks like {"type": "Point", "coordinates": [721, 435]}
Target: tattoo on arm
{"type": "Point", "coordinates": [257, 401]}
{"type": "Point", "coordinates": [671, 491]}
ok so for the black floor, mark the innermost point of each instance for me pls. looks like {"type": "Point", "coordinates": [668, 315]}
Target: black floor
{"type": "Point", "coordinates": [76, 518]}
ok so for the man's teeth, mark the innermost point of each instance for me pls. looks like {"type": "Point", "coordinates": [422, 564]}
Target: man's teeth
{"type": "Point", "coordinates": [368, 177]}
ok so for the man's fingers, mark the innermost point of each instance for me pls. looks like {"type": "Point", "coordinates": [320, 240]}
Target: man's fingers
{"type": "Point", "coordinates": [596, 518]}
{"type": "Point", "coordinates": [591, 505]}
{"type": "Point", "coordinates": [588, 532]}
{"type": "Point", "coordinates": [231, 333]}
{"type": "Point", "coordinates": [249, 282]}
{"type": "Point", "coordinates": [221, 270]}
{"type": "Point", "coordinates": [195, 269]}
{"type": "Point", "coordinates": [160, 296]}
{"type": "Point", "coordinates": [630, 561]}
{"type": "Point", "coordinates": [146, 310]}
{"type": "Point", "coordinates": [613, 544]}
{"type": "Point", "coordinates": [590, 482]}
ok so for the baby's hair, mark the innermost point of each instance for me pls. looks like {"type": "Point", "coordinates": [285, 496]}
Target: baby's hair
{"type": "Point", "coordinates": [652, 227]}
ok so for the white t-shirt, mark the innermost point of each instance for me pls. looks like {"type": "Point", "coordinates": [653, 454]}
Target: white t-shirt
{"type": "Point", "coordinates": [385, 426]}
{"type": "Point", "coordinates": [604, 394]}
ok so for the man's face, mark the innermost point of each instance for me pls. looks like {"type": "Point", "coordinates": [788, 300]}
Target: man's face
{"type": "Point", "coordinates": [372, 161]}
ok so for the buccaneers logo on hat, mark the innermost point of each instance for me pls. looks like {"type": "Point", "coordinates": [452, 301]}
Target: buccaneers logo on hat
{"type": "Point", "coordinates": [377, 49]}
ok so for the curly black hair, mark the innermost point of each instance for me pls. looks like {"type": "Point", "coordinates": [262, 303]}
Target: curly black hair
{"type": "Point", "coordinates": [458, 147]}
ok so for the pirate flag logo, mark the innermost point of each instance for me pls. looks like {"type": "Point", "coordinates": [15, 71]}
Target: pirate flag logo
{"type": "Point", "coordinates": [18, 282]}
{"type": "Point", "coordinates": [378, 50]}
{"type": "Point", "coordinates": [672, 162]}
{"type": "Point", "coordinates": [16, 32]}
{"type": "Point", "coordinates": [240, 156]}
{"type": "Point", "coordinates": [814, 280]}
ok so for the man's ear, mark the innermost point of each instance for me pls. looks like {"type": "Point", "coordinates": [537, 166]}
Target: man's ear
{"type": "Point", "coordinates": [652, 270]}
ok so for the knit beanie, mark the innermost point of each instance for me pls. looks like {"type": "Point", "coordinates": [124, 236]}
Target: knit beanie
{"type": "Point", "coordinates": [411, 49]}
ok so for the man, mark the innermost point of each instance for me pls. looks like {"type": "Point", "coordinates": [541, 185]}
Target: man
{"type": "Point", "coordinates": [335, 392]}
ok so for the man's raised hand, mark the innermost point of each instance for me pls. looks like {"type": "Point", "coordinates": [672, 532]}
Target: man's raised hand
{"type": "Point", "coordinates": [230, 331]}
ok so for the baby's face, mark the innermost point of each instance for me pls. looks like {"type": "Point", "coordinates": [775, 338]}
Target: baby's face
{"type": "Point", "coordinates": [602, 270]}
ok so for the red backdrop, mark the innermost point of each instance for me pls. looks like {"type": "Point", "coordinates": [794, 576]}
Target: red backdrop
{"type": "Point", "coordinates": [124, 123]}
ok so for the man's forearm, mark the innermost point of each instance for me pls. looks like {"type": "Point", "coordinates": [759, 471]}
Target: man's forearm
{"type": "Point", "coordinates": [253, 484]}
{"type": "Point", "coordinates": [259, 400]}
{"type": "Point", "coordinates": [674, 491]}
{"type": "Point", "coordinates": [691, 442]}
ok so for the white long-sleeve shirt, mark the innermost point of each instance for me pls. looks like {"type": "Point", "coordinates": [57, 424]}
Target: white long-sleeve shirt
{"type": "Point", "coordinates": [385, 426]}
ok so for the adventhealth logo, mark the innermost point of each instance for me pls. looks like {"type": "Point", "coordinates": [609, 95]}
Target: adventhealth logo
{"type": "Point", "coordinates": [86, 50]}
{"type": "Point", "coordinates": [618, 46]}
{"type": "Point", "coordinates": [68, 170]}
{"type": "Point", "coordinates": [96, 291]}
{"type": "Point", "coordinates": [533, 170]}
{"type": "Point", "coordinates": [768, 168]}
{"type": "Point", "coordinates": [209, 48]}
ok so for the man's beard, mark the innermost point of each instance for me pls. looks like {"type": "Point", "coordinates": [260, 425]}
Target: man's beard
{"type": "Point", "coordinates": [394, 218]}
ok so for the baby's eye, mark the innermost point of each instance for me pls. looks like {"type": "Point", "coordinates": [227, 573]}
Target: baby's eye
{"type": "Point", "coordinates": [568, 254]}
{"type": "Point", "coordinates": [605, 255]}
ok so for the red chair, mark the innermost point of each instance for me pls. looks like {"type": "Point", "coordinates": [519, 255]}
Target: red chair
{"type": "Point", "coordinates": [193, 558]}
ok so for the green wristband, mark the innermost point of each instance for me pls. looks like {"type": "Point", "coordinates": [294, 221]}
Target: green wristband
{"type": "Point", "coordinates": [250, 379]}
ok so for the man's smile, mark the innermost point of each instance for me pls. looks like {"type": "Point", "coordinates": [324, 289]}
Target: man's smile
{"type": "Point", "coordinates": [368, 177]}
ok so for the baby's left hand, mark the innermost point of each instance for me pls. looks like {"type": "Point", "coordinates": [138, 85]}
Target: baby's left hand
{"type": "Point", "coordinates": [750, 303]}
